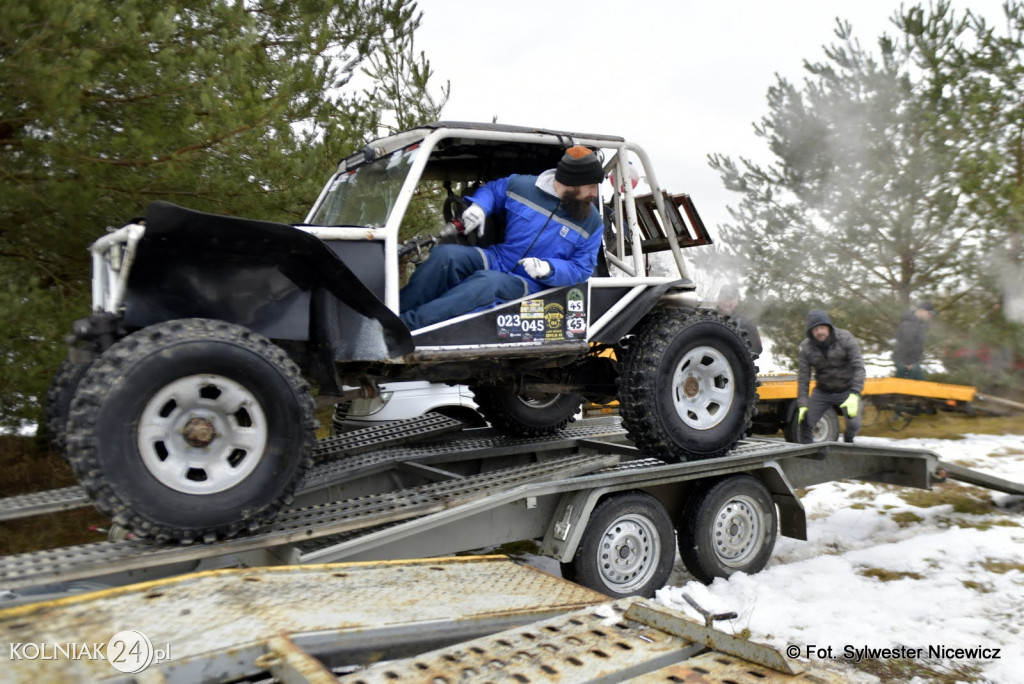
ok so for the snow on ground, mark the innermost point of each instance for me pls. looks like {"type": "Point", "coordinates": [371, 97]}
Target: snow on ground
{"type": "Point", "coordinates": [878, 572]}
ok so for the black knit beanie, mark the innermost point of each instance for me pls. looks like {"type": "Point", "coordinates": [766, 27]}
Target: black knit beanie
{"type": "Point", "coordinates": [579, 166]}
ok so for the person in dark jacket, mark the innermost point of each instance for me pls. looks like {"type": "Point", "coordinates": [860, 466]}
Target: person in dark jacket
{"type": "Point", "coordinates": [835, 356]}
{"type": "Point", "coordinates": [910, 336]}
{"type": "Point", "coordinates": [728, 304]}
{"type": "Point", "coordinates": [552, 237]}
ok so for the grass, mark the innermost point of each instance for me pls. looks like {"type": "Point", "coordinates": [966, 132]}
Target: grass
{"type": "Point", "coordinates": [965, 499]}
{"type": "Point", "coordinates": [942, 425]}
{"type": "Point", "coordinates": [27, 467]}
{"type": "Point", "coordinates": [922, 671]}
{"type": "Point", "coordinates": [884, 575]}
{"type": "Point", "coordinates": [1001, 567]}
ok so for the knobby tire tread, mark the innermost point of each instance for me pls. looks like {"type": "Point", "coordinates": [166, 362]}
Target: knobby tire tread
{"type": "Point", "coordinates": [641, 367]}
{"type": "Point", "coordinates": [107, 371]}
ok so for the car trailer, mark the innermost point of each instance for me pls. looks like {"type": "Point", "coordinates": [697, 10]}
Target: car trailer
{"type": "Point", "coordinates": [580, 492]}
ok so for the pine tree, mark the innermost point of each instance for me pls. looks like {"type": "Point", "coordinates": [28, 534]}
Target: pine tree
{"type": "Point", "coordinates": [232, 107]}
{"type": "Point", "coordinates": [888, 167]}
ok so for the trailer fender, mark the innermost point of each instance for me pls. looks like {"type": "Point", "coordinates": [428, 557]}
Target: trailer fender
{"type": "Point", "coordinates": [567, 524]}
{"type": "Point", "coordinates": [792, 517]}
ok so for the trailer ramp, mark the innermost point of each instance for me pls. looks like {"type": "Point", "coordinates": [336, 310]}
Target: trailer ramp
{"type": "Point", "coordinates": [951, 471]}
{"type": "Point", "coordinates": [446, 619]}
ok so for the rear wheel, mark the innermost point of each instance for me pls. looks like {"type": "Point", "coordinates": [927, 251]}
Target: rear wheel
{"type": "Point", "coordinates": [191, 429]}
{"type": "Point", "coordinates": [825, 430]}
{"type": "Point", "coordinates": [59, 394]}
{"type": "Point", "coordinates": [527, 415]}
{"type": "Point", "coordinates": [627, 548]}
{"type": "Point", "coordinates": [728, 526]}
{"type": "Point", "coordinates": [687, 385]}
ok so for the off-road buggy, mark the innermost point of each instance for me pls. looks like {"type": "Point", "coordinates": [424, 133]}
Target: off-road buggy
{"type": "Point", "coordinates": [187, 400]}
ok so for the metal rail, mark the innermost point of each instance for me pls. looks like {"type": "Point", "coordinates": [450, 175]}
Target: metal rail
{"type": "Point", "coordinates": [352, 454]}
{"type": "Point", "coordinates": [301, 524]}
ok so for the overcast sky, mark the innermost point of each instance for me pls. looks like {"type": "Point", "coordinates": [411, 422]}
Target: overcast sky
{"type": "Point", "coordinates": [682, 78]}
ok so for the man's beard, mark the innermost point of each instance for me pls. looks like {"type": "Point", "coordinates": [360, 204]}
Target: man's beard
{"type": "Point", "coordinates": [579, 209]}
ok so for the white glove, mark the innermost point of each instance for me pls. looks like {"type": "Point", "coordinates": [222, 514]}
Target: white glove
{"type": "Point", "coordinates": [536, 268]}
{"type": "Point", "coordinates": [473, 219]}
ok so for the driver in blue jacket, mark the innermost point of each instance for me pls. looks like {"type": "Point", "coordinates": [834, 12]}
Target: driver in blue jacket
{"type": "Point", "coordinates": [552, 236]}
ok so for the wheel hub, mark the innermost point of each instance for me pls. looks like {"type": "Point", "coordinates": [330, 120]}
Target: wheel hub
{"type": "Point", "coordinates": [199, 432]}
{"type": "Point", "coordinates": [202, 434]}
{"type": "Point", "coordinates": [703, 387]}
{"type": "Point", "coordinates": [629, 553]}
{"type": "Point", "coordinates": [737, 531]}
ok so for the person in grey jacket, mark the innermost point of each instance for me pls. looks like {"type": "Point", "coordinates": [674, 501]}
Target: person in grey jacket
{"type": "Point", "coordinates": [910, 337]}
{"type": "Point", "coordinates": [835, 356]}
{"type": "Point", "coordinates": [728, 304]}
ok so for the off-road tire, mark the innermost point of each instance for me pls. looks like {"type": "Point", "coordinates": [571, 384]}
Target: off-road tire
{"type": "Point", "coordinates": [727, 526]}
{"type": "Point", "coordinates": [57, 406]}
{"type": "Point", "coordinates": [627, 549]}
{"type": "Point", "coordinates": [687, 385]}
{"type": "Point", "coordinates": [508, 411]}
{"type": "Point", "coordinates": [255, 415]}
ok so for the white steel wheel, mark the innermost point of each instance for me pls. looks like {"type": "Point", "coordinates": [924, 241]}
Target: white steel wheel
{"type": "Point", "coordinates": [626, 555]}
{"type": "Point", "coordinates": [202, 434]}
{"type": "Point", "coordinates": [627, 547]}
{"type": "Point", "coordinates": [739, 530]}
{"type": "Point", "coordinates": [703, 387]}
{"type": "Point", "coordinates": [728, 525]}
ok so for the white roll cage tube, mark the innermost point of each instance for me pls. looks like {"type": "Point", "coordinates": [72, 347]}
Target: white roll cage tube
{"type": "Point", "coordinates": [427, 145]}
{"type": "Point", "coordinates": [112, 258]}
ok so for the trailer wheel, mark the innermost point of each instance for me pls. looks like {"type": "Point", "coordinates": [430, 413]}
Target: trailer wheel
{"type": "Point", "coordinates": [191, 429]}
{"type": "Point", "coordinates": [728, 526]}
{"type": "Point", "coordinates": [527, 415]}
{"type": "Point", "coordinates": [59, 394]}
{"type": "Point", "coordinates": [687, 385]}
{"type": "Point", "coordinates": [627, 548]}
{"type": "Point", "coordinates": [825, 430]}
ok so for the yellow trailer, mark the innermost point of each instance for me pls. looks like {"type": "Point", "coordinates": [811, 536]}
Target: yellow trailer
{"type": "Point", "coordinates": [900, 398]}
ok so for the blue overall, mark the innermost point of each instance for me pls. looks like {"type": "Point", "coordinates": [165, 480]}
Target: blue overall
{"type": "Point", "coordinates": [457, 279]}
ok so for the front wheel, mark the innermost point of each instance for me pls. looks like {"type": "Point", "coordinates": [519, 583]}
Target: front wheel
{"type": "Point", "coordinates": [728, 526]}
{"type": "Point", "coordinates": [687, 385]}
{"type": "Point", "coordinates": [627, 548]}
{"type": "Point", "coordinates": [191, 429]}
{"type": "Point", "coordinates": [525, 415]}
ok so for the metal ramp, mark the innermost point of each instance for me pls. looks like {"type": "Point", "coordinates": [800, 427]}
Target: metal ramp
{"type": "Point", "coordinates": [295, 525]}
{"type": "Point", "coordinates": [479, 618]}
{"type": "Point", "coordinates": [951, 471]}
{"type": "Point", "coordinates": [352, 443]}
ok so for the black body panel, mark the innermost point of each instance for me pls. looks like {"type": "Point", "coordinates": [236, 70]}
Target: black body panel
{"type": "Point", "coordinates": [254, 273]}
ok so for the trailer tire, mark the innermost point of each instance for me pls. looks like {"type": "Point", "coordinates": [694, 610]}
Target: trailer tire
{"type": "Point", "coordinates": [627, 548]}
{"type": "Point", "coordinates": [191, 429]}
{"type": "Point", "coordinates": [687, 385]}
{"type": "Point", "coordinates": [727, 526]}
{"type": "Point", "coordinates": [57, 406]}
{"type": "Point", "coordinates": [524, 415]}
{"type": "Point", "coordinates": [826, 429]}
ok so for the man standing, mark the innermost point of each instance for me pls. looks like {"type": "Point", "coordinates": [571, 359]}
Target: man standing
{"type": "Point", "coordinates": [910, 335]}
{"type": "Point", "coordinates": [552, 236]}
{"type": "Point", "coordinates": [835, 356]}
{"type": "Point", "coordinates": [728, 301]}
